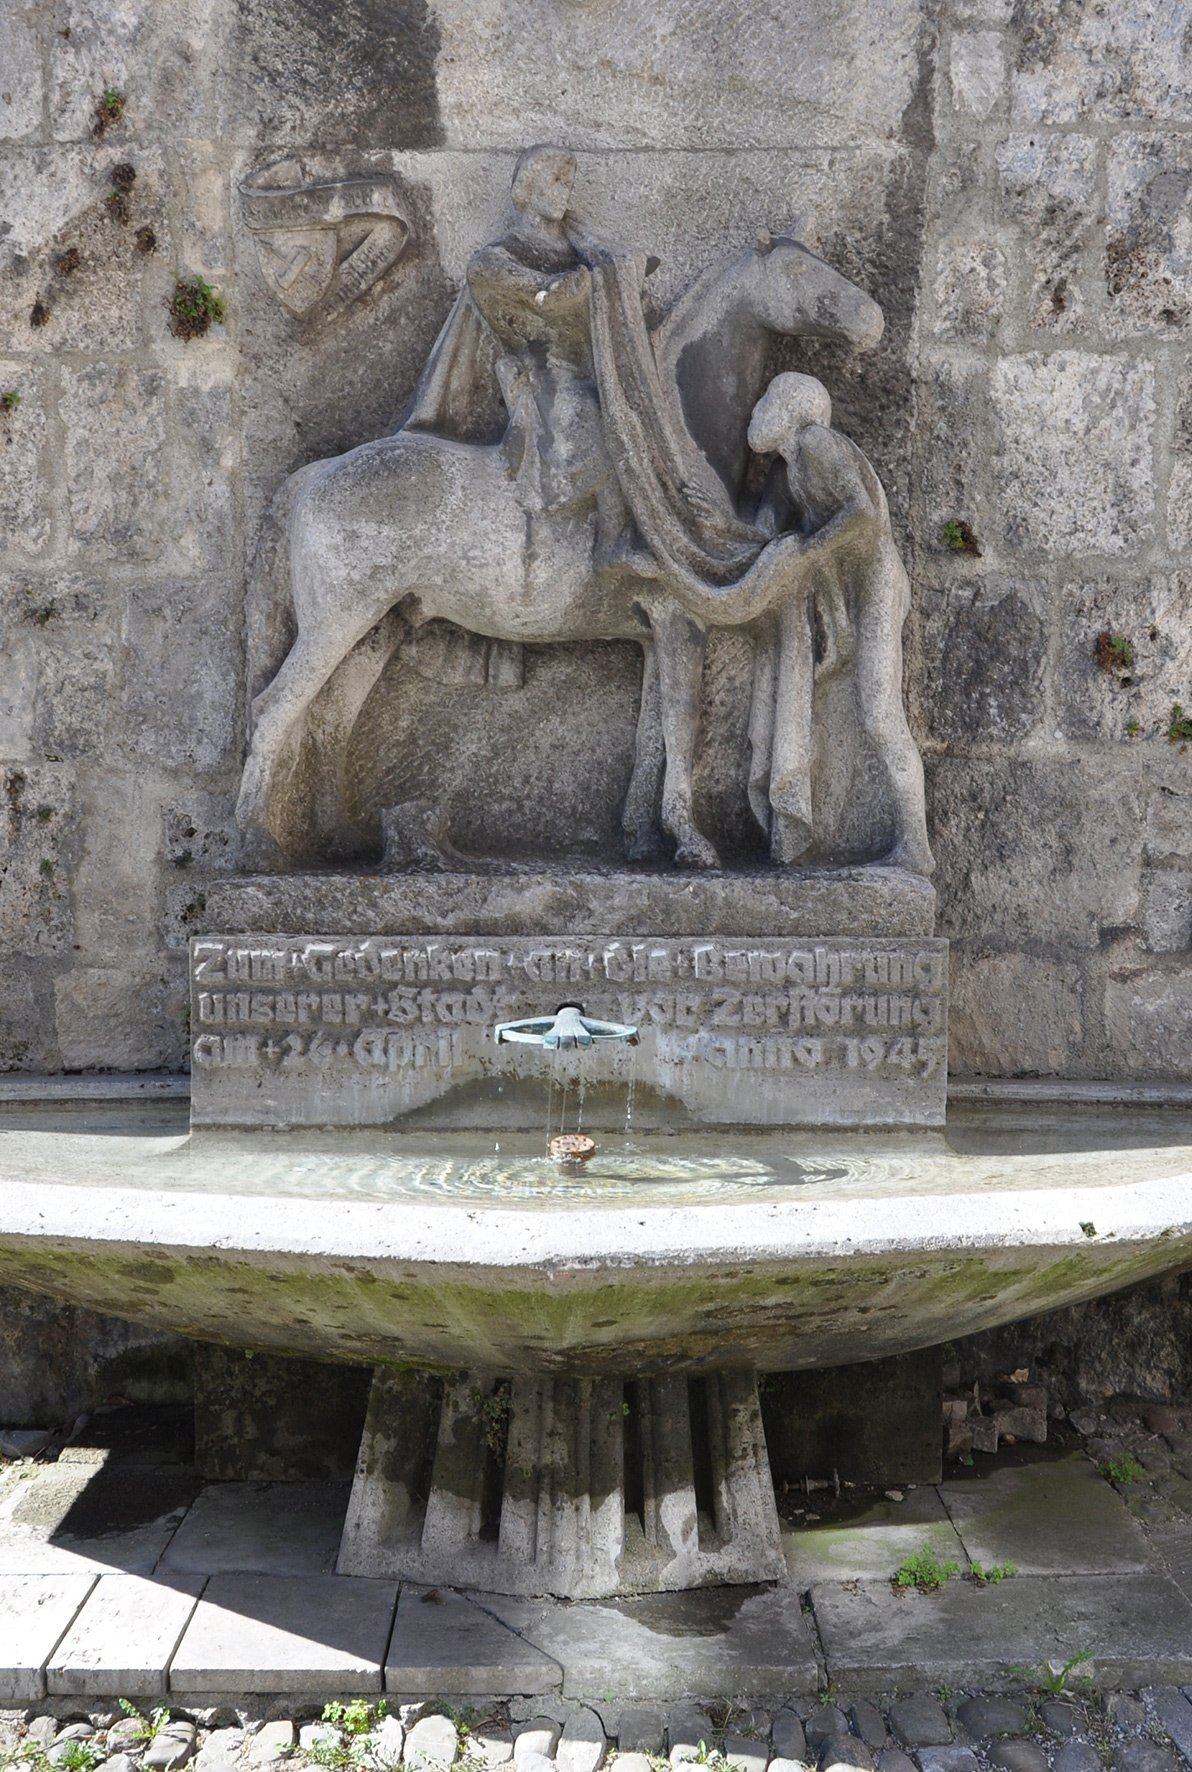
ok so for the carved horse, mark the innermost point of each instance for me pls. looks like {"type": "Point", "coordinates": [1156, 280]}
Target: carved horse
{"type": "Point", "coordinates": [433, 528]}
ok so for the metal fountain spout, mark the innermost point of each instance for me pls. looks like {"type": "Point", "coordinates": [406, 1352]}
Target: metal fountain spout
{"type": "Point", "coordinates": [563, 1031]}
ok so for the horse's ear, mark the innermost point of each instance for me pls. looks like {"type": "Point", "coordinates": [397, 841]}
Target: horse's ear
{"type": "Point", "coordinates": [801, 227]}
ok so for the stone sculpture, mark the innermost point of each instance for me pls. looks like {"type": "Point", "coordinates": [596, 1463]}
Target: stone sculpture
{"type": "Point", "coordinates": [571, 468]}
{"type": "Point", "coordinates": [322, 242]}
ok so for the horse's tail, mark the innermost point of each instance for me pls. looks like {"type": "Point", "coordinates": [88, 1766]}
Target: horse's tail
{"type": "Point", "coordinates": [270, 623]}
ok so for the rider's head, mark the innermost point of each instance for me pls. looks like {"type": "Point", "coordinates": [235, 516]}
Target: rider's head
{"type": "Point", "coordinates": [788, 406]}
{"type": "Point", "coordinates": [542, 182]}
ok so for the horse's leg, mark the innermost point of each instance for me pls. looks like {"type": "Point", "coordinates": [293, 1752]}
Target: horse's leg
{"type": "Point", "coordinates": [680, 647]}
{"type": "Point", "coordinates": [639, 820]}
{"type": "Point", "coordinates": [278, 710]}
{"type": "Point", "coordinates": [790, 765]}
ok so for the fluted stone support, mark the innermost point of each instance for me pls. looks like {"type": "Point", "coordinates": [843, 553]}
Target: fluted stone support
{"type": "Point", "coordinates": [574, 1487]}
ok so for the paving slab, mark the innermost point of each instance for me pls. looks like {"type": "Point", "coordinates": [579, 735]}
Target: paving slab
{"type": "Point", "coordinates": [729, 1642]}
{"type": "Point", "coordinates": [35, 1613]}
{"type": "Point", "coordinates": [123, 1638]}
{"type": "Point", "coordinates": [1057, 1517]}
{"type": "Point", "coordinates": [1139, 1628]}
{"type": "Point", "coordinates": [871, 1545]}
{"type": "Point", "coordinates": [314, 1634]}
{"type": "Point", "coordinates": [444, 1644]}
{"type": "Point", "coordinates": [260, 1528]}
{"type": "Point", "coordinates": [89, 1519]}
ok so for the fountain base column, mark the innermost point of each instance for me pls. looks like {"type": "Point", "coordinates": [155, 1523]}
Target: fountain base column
{"type": "Point", "coordinates": [578, 1488]}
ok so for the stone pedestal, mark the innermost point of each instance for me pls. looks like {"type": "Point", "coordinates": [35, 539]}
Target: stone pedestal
{"type": "Point", "coordinates": [580, 1488]}
{"type": "Point", "coordinates": [762, 1000]}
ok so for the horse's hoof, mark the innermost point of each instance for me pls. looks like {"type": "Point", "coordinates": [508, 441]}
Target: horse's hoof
{"type": "Point", "coordinates": [912, 858]}
{"type": "Point", "coordinates": [696, 853]}
{"type": "Point", "coordinates": [261, 853]}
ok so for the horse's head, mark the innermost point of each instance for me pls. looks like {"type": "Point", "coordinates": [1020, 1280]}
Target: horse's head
{"type": "Point", "coordinates": [796, 292]}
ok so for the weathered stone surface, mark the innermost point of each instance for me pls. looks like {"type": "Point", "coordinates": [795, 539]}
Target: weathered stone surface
{"type": "Point", "coordinates": [583, 1744]}
{"type": "Point", "coordinates": [970, 289]}
{"type": "Point", "coordinates": [867, 1722]}
{"type": "Point", "coordinates": [1048, 845]}
{"type": "Point", "coordinates": [1076, 1756]}
{"type": "Point", "coordinates": [308, 1634]}
{"type": "Point", "coordinates": [1061, 1716]}
{"type": "Point", "coordinates": [1087, 1530]}
{"type": "Point", "coordinates": [433, 1741]}
{"type": "Point", "coordinates": [177, 707]}
{"type": "Point", "coordinates": [1072, 452]}
{"type": "Point", "coordinates": [123, 1638]}
{"type": "Point", "coordinates": [787, 1736]}
{"type": "Point", "coordinates": [1072, 67]}
{"type": "Point", "coordinates": [259, 1419]}
{"type": "Point", "coordinates": [1047, 186]}
{"type": "Point", "coordinates": [274, 1529]}
{"type": "Point", "coordinates": [984, 1717]}
{"type": "Point", "coordinates": [1149, 1015]}
{"type": "Point", "coordinates": [947, 1759]}
{"type": "Point", "coordinates": [36, 1611]}
{"type": "Point", "coordinates": [538, 1736]}
{"type": "Point", "coordinates": [74, 1519]}
{"type": "Point", "coordinates": [1166, 910]}
{"type": "Point", "coordinates": [844, 1753]}
{"type": "Point", "coordinates": [1019, 1002]}
{"type": "Point", "coordinates": [20, 55]}
{"type": "Point", "coordinates": [173, 1745]}
{"type": "Point", "coordinates": [892, 1759]}
{"type": "Point", "coordinates": [642, 1730]}
{"type": "Point", "coordinates": [25, 502]}
{"type": "Point", "coordinates": [919, 1721]}
{"type": "Point", "coordinates": [115, 454]}
{"type": "Point", "coordinates": [978, 70]}
{"type": "Point", "coordinates": [985, 657]}
{"type": "Point", "coordinates": [1148, 276]}
{"type": "Point", "coordinates": [444, 1642]}
{"type": "Point", "coordinates": [1018, 1756]}
{"type": "Point", "coordinates": [825, 1721]}
{"type": "Point", "coordinates": [848, 1034]}
{"type": "Point", "coordinates": [1145, 1756]}
{"type": "Point", "coordinates": [1115, 700]}
{"type": "Point", "coordinates": [271, 1743]}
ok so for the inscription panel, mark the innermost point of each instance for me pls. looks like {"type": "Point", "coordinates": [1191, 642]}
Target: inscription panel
{"type": "Point", "coordinates": [294, 1030]}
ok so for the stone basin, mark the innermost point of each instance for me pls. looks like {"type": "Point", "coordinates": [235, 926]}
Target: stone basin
{"type": "Point", "coordinates": [698, 1252]}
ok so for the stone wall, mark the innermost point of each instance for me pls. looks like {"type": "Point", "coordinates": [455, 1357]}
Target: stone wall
{"type": "Point", "coordinates": [1012, 186]}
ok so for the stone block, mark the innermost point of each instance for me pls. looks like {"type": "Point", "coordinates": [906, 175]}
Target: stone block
{"type": "Point", "coordinates": [978, 74]}
{"type": "Point", "coordinates": [178, 704]}
{"type": "Point", "coordinates": [732, 1642]}
{"type": "Point", "coordinates": [1148, 272]}
{"type": "Point", "coordinates": [583, 1745]}
{"type": "Point", "coordinates": [984, 661]}
{"type": "Point", "coordinates": [1148, 1017]}
{"type": "Point", "coordinates": [1024, 1004]}
{"type": "Point", "coordinates": [954, 447]}
{"type": "Point", "coordinates": [26, 499]}
{"type": "Point", "coordinates": [1072, 452]}
{"type": "Point", "coordinates": [261, 1418]}
{"type": "Point", "coordinates": [1054, 1518]}
{"type": "Point", "coordinates": [1113, 698]}
{"type": "Point", "coordinates": [312, 1634]}
{"type": "Point", "coordinates": [20, 57]}
{"type": "Point", "coordinates": [987, 1716]}
{"type": "Point", "coordinates": [1047, 189]}
{"type": "Point", "coordinates": [787, 1736]}
{"type": "Point", "coordinates": [824, 1722]}
{"type": "Point", "coordinates": [1179, 486]}
{"type": "Point", "coordinates": [75, 703]}
{"type": "Point", "coordinates": [876, 1424]}
{"type": "Point", "coordinates": [279, 1529]}
{"type": "Point", "coordinates": [1103, 67]}
{"type": "Point", "coordinates": [970, 289]}
{"type": "Point", "coordinates": [1049, 845]}
{"type": "Point", "coordinates": [272, 1742]}
{"type": "Point", "coordinates": [202, 516]}
{"type": "Point", "coordinates": [433, 1742]}
{"type": "Point", "coordinates": [73, 1519]}
{"type": "Point", "coordinates": [123, 1638]}
{"type": "Point", "coordinates": [640, 1730]}
{"type": "Point", "coordinates": [37, 803]}
{"type": "Point", "coordinates": [443, 1642]}
{"type": "Point", "coordinates": [35, 1613]}
{"type": "Point", "coordinates": [669, 89]}
{"type": "Point", "coordinates": [970, 1635]}
{"type": "Point", "coordinates": [27, 1039]}
{"type": "Point", "coordinates": [1166, 910]}
{"type": "Point", "coordinates": [368, 1056]}
{"type": "Point", "coordinates": [120, 1018]}
{"type": "Point", "coordinates": [918, 1721]}
{"type": "Point", "coordinates": [161, 60]}
{"type": "Point", "coordinates": [116, 457]}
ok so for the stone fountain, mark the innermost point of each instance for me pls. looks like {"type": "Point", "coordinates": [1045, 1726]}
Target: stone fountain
{"type": "Point", "coordinates": [565, 1397]}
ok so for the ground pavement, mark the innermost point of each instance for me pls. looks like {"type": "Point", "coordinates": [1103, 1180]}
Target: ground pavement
{"type": "Point", "coordinates": [123, 1574]}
